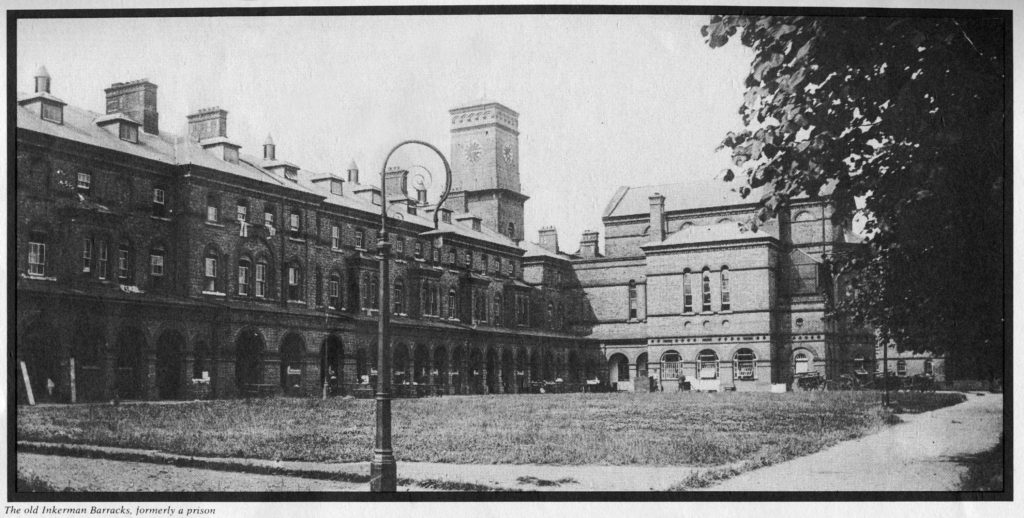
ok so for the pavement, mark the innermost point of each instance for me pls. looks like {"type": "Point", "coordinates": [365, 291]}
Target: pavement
{"type": "Point", "coordinates": [919, 454]}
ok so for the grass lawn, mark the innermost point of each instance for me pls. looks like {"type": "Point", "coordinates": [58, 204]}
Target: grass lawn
{"type": "Point", "coordinates": [695, 429]}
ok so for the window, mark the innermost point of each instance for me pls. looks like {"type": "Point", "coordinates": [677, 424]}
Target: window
{"type": "Point", "coordinates": [210, 273]}
{"type": "Point", "coordinates": [726, 302]}
{"type": "Point", "coordinates": [801, 363]}
{"type": "Point", "coordinates": [512, 231]}
{"type": "Point", "coordinates": [294, 283]}
{"type": "Point", "coordinates": [212, 209]}
{"type": "Point", "coordinates": [497, 313]}
{"type": "Point", "coordinates": [334, 291]}
{"type": "Point", "coordinates": [159, 202]}
{"type": "Point", "coordinates": [374, 294]}
{"type": "Point", "coordinates": [435, 299]}
{"type": "Point", "coordinates": [551, 314]}
{"type": "Point", "coordinates": [52, 112]}
{"type": "Point", "coordinates": [707, 365]}
{"type": "Point", "coordinates": [336, 187]}
{"type": "Point", "coordinates": [400, 246]}
{"type": "Point", "coordinates": [743, 365]}
{"type": "Point", "coordinates": [268, 217]}
{"type": "Point", "coordinates": [632, 300]}
{"type": "Point", "coordinates": [243, 277]}
{"type": "Point", "coordinates": [435, 255]}
{"type": "Point", "coordinates": [360, 239]}
{"type": "Point", "coordinates": [671, 365]}
{"type": "Point", "coordinates": [928, 368]}
{"type": "Point", "coordinates": [242, 211]}
{"type": "Point", "coordinates": [84, 182]}
{"type": "Point", "coordinates": [452, 304]}
{"type": "Point", "coordinates": [705, 282]}
{"type": "Point", "coordinates": [123, 262]}
{"type": "Point", "coordinates": [86, 255]}
{"type": "Point", "coordinates": [156, 263]}
{"type": "Point", "coordinates": [128, 132]}
{"type": "Point", "coordinates": [418, 248]}
{"type": "Point", "coordinates": [102, 263]}
{"type": "Point", "coordinates": [901, 367]}
{"type": "Point", "coordinates": [398, 304]}
{"type": "Point", "coordinates": [469, 259]}
{"type": "Point", "coordinates": [335, 237]}
{"type": "Point", "coordinates": [261, 279]}
{"type": "Point", "coordinates": [484, 260]}
{"type": "Point", "coordinates": [37, 254]}
{"type": "Point", "coordinates": [293, 223]}
{"type": "Point", "coordinates": [687, 292]}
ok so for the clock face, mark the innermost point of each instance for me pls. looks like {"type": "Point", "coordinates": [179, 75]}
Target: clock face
{"type": "Point", "coordinates": [474, 151]}
{"type": "Point", "coordinates": [507, 154]}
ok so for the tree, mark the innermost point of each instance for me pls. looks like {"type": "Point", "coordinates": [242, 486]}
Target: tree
{"type": "Point", "coordinates": [901, 120]}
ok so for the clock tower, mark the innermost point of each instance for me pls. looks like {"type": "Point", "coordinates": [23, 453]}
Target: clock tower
{"type": "Point", "coordinates": [485, 166]}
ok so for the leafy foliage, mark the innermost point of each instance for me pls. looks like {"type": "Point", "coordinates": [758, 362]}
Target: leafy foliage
{"type": "Point", "coordinates": [902, 121]}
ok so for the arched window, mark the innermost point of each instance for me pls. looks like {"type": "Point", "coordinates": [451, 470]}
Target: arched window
{"type": "Point", "coordinates": [707, 365]}
{"type": "Point", "coordinates": [671, 365]}
{"type": "Point", "coordinates": [901, 367]}
{"type": "Point", "coordinates": [744, 363]}
{"type": "Point", "coordinates": [294, 279]}
{"type": "Point", "coordinates": [687, 291]}
{"type": "Point", "coordinates": [551, 314]}
{"type": "Point", "coordinates": [497, 313]}
{"type": "Point", "coordinates": [801, 362]}
{"type": "Point", "coordinates": [244, 276]}
{"type": "Point", "coordinates": [261, 278]}
{"type": "Point", "coordinates": [424, 297]}
{"type": "Point", "coordinates": [512, 231]}
{"type": "Point", "coordinates": [398, 304]}
{"type": "Point", "coordinates": [632, 300]}
{"type": "Point", "coordinates": [705, 283]}
{"type": "Point", "coordinates": [724, 220]}
{"type": "Point", "coordinates": [334, 290]}
{"type": "Point", "coordinates": [726, 302]}
{"type": "Point", "coordinates": [803, 216]}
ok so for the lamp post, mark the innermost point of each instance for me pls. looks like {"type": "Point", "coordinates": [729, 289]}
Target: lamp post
{"type": "Point", "coordinates": [383, 469]}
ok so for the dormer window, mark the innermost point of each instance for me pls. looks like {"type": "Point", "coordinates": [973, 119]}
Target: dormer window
{"type": "Point", "coordinates": [128, 132]}
{"type": "Point", "coordinates": [336, 187]}
{"type": "Point", "coordinates": [291, 174]}
{"type": "Point", "coordinates": [446, 216]}
{"type": "Point", "coordinates": [52, 112]}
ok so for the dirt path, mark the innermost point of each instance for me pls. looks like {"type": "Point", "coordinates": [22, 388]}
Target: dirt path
{"type": "Point", "coordinates": [917, 455]}
{"type": "Point", "coordinates": [111, 475]}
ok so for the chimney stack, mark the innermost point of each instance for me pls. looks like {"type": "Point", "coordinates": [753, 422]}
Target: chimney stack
{"type": "Point", "coordinates": [208, 123]}
{"type": "Point", "coordinates": [395, 183]}
{"type": "Point", "coordinates": [42, 80]}
{"type": "Point", "coordinates": [588, 244]}
{"type": "Point", "coordinates": [353, 172]}
{"type": "Point", "coordinates": [135, 99]}
{"type": "Point", "coordinates": [548, 239]}
{"type": "Point", "coordinates": [269, 149]}
{"type": "Point", "coordinates": [657, 217]}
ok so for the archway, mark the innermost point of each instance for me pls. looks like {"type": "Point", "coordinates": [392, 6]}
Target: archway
{"type": "Point", "coordinates": [169, 348]}
{"type": "Point", "coordinates": [508, 373]}
{"type": "Point", "coordinates": [249, 349]}
{"type": "Point", "coordinates": [458, 369]}
{"type": "Point", "coordinates": [641, 366]}
{"type": "Point", "coordinates": [421, 365]}
{"type": "Point", "coordinates": [475, 368]}
{"type": "Point", "coordinates": [547, 366]}
{"type": "Point", "coordinates": [88, 352]}
{"type": "Point", "coordinates": [331, 370]}
{"type": "Point", "coordinates": [492, 371]}
{"type": "Point", "coordinates": [521, 368]}
{"type": "Point", "coordinates": [536, 371]}
{"type": "Point", "coordinates": [130, 373]}
{"type": "Point", "coordinates": [292, 349]}
{"type": "Point", "coordinates": [41, 352]}
{"type": "Point", "coordinates": [618, 368]}
{"type": "Point", "coordinates": [400, 364]}
{"type": "Point", "coordinates": [574, 367]}
{"type": "Point", "coordinates": [440, 366]}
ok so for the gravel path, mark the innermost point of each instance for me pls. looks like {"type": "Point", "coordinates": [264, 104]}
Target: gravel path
{"type": "Point", "coordinates": [112, 475]}
{"type": "Point", "coordinates": [918, 455]}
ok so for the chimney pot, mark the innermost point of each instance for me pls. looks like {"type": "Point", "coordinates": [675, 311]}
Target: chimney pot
{"type": "Point", "coordinates": [42, 80]}
{"type": "Point", "coordinates": [269, 149]}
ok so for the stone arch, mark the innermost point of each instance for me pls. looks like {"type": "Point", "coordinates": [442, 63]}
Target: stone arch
{"type": "Point", "coordinates": [400, 363]}
{"type": "Point", "coordinates": [170, 349]}
{"type": "Point", "coordinates": [641, 366]}
{"type": "Point", "coordinates": [521, 369]}
{"type": "Point", "coordinates": [474, 368]}
{"type": "Point", "coordinates": [803, 360]}
{"type": "Point", "coordinates": [249, 350]}
{"type": "Point", "coordinates": [439, 366]}
{"type": "Point", "coordinates": [548, 365]}
{"type": "Point", "coordinates": [535, 366]}
{"type": "Point", "coordinates": [89, 351]}
{"type": "Point", "coordinates": [332, 358]}
{"type": "Point", "coordinates": [293, 349]}
{"type": "Point", "coordinates": [421, 364]}
{"type": "Point", "coordinates": [618, 368]}
{"type": "Point", "coordinates": [130, 369]}
{"type": "Point", "coordinates": [41, 350]}
{"type": "Point", "coordinates": [493, 370]}
{"type": "Point", "coordinates": [573, 371]}
{"type": "Point", "coordinates": [458, 369]}
{"type": "Point", "coordinates": [508, 372]}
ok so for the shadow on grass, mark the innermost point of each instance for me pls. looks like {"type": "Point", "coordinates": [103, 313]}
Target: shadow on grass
{"type": "Point", "coordinates": [540, 482]}
{"type": "Point", "coordinates": [984, 470]}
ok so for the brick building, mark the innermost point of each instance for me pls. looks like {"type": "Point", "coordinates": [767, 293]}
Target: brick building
{"type": "Point", "coordinates": [685, 289]}
{"type": "Point", "coordinates": [156, 266]}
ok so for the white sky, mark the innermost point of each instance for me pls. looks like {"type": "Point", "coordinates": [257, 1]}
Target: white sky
{"type": "Point", "coordinates": [604, 101]}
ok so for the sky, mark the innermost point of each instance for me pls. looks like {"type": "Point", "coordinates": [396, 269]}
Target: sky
{"type": "Point", "coordinates": [603, 101]}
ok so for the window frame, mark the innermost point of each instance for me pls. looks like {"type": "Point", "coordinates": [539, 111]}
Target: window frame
{"type": "Point", "coordinates": [260, 279]}
{"type": "Point", "coordinates": [632, 306]}
{"type": "Point", "coordinates": [705, 285]}
{"type": "Point", "coordinates": [335, 236]}
{"type": "Point", "coordinates": [54, 108]}
{"type": "Point", "coordinates": [724, 296]}
{"type": "Point", "coordinates": [87, 248]}
{"type": "Point", "coordinates": [210, 272]}
{"type": "Point", "coordinates": [155, 254]}
{"type": "Point", "coordinates": [244, 277]}
{"type": "Point", "coordinates": [37, 254]}
{"type": "Point", "coordinates": [86, 185]}
{"type": "Point", "coordinates": [124, 257]}
{"type": "Point", "coordinates": [707, 359]}
{"type": "Point", "coordinates": [744, 365]}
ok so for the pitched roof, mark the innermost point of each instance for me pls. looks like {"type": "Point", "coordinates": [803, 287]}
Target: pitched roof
{"type": "Point", "coordinates": [726, 231]}
{"type": "Point", "coordinates": [535, 250]}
